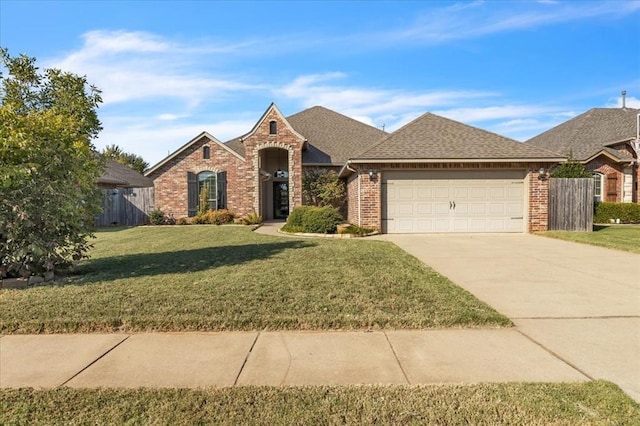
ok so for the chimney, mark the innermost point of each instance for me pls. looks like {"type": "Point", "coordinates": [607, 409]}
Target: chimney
{"type": "Point", "coordinates": [624, 99]}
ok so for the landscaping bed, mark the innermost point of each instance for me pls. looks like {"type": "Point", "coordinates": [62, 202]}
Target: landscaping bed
{"type": "Point", "coordinates": [182, 278]}
{"type": "Point", "coordinates": [591, 403]}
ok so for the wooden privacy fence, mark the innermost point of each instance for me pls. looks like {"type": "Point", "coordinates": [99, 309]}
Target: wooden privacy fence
{"type": "Point", "coordinates": [125, 206]}
{"type": "Point", "coordinates": [571, 204]}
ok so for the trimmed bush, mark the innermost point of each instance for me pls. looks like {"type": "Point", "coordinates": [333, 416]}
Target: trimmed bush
{"type": "Point", "coordinates": [157, 217]}
{"type": "Point", "coordinates": [626, 212]}
{"type": "Point", "coordinates": [213, 217]}
{"type": "Point", "coordinates": [317, 220]}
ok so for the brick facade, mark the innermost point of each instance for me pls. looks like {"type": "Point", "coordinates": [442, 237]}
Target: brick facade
{"type": "Point", "coordinates": [243, 177]}
{"type": "Point", "coordinates": [609, 168]}
{"type": "Point", "coordinates": [366, 210]}
{"type": "Point", "coordinates": [284, 138]}
{"type": "Point", "coordinates": [170, 180]}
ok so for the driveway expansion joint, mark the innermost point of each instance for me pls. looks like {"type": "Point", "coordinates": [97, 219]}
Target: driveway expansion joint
{"type": "Point", "coordinates": [95, 360]}
{"type": "Point", "coordinates": [570, 364]}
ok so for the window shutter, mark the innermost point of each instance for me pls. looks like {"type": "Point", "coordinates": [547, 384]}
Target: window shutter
{"type": "Point", "coordinates": [612, 187]}
{"type": "Point", "coordinates": [192, 194]}
{"type": "Point", "coordinates": [222, 190]}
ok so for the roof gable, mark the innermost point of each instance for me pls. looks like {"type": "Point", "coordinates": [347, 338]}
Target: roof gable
{"type": "Point", "coordinates": [272, 108]}
{"type": "Point", "coordinates": [186, 146]}
{"type": "Point", "coordinates": [586, 134]}
{"type": "Point", "coordinates": [434, 137]}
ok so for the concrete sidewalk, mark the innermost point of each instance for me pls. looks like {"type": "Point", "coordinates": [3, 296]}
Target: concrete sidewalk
{"type": "Point", "coordinates": [226, 359]}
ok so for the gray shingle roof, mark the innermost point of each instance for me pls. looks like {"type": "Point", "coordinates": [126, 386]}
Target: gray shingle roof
{"type": "Point", "coordinates": [332, 138]}
{"type": "Point", "coordinates": [433, 137]}
{"type": "Point", "coordinates": [588, 133]}
{"type": "Point", "coordinates": [124, 176]}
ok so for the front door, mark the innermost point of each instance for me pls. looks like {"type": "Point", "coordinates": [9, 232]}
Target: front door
{"type": "Point", "coordinates": [280, 200]}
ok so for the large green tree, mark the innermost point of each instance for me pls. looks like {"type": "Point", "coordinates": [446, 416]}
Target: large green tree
{"type": "Point", "coordinates": [48, 166]}
{"type": "Point", "coordinates": [136, 162]}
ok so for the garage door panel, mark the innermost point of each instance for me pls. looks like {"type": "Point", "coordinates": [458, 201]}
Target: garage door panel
{"type": "Point", "coordinates": [422, 202]}
{"type": "Point", "coordinates": [404, 193]}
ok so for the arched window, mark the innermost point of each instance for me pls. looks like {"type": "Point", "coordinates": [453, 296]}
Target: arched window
{"type": "Point", "coordinates": [273, 127]}
{"type": "Point", "coordinates": [206, 152]}
{"type": "Point", "coordinates": [206, 191]}
{"type": "Point", "coordinates": [597, 187]}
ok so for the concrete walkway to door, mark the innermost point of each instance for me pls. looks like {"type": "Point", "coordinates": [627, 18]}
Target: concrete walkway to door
{"type": "Point", "coordinates": [580, 302]}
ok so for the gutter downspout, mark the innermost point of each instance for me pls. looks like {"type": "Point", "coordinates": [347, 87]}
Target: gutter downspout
{"type": "Point", "coordinates": [359, 199]}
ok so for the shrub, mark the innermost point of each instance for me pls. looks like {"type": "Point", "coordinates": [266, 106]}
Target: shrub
{"type": "Point", "coordinates": [182, 221]}
{"type": "Point", "coordinates": [213, 217]}
{"type": "Point", "coordinates": [318, 220]}
{"type": "Point", "coordinates": [296, 216]}
{"type": "Point", "coordinates": [252, 218]}
{"type": "Point", "coordinates": [157, 217]}
{"type": "Point", "coordinates": [626, 212]}
{"type": "Point", "coordinates": [356, 230]}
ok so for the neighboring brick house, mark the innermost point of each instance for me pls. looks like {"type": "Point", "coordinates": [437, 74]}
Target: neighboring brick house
{"type": "Point", "coordinates": [432, 175]}
{"type": "Point", "coordinates": [605, 141]}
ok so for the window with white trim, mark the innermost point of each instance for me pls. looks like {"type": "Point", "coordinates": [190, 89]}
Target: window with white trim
{"type": "Point", "coordinates": [597, 187]}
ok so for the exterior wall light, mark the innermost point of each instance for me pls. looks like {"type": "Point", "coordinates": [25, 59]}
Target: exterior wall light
{"type": "Point", "coordinates": [542, 173]}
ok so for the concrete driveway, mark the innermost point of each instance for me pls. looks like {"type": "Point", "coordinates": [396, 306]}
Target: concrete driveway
{"type": "Point", "coordinates": [579, 302]}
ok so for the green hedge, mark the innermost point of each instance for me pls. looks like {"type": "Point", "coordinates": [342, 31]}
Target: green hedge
{"type": "Point", "coordinates": [318, 220]}
{"type": "Point", "coordinates": [626, 212]}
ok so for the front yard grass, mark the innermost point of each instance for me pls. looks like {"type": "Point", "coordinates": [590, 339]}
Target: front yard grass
{"type": "Point", "coordinates": [591, 403]}
{"type": "Point", "coordinates": [185, 278]}
{"type": "Point", "coordinates": [619, 237]}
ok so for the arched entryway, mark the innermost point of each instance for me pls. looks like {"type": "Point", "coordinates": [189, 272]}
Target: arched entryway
{"type": "Point", "coordinates": [275, 186]}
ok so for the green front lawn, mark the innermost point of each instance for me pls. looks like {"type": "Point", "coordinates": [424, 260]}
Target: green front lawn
{"type": "Point", "coordinates": [619, 237]}
{"type": "Point", "coordinates": [591, 403]}
{"type": "Point", "coordinates": [228, 278]}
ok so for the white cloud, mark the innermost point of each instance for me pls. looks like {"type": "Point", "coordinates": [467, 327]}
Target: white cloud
{"type": "Point", "coordinates": [155, 140]}
{"type": "Point", "coordinates": [371, 105]}
{"type": "Point", "coordinates": [478, 18]}
{"type": "Point", "coordinates": [139, 66]}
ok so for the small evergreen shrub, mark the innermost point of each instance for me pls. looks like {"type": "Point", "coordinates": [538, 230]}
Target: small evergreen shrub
{"type": "Point", "coordinates": [317, 220]}
{"type": "Point", "coordinates": [213, 217]}
{"type": "Point", "coordinates": [626, 212]}
{"type": "Point", "coordinates": [157, 217]}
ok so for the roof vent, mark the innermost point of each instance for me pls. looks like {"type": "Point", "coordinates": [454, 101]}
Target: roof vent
{"type": "Point", "coordinates": [624, 99]}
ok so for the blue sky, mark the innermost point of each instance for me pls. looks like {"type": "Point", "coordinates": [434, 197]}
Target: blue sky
{"type": "Point", "coordinates": [170, 70]}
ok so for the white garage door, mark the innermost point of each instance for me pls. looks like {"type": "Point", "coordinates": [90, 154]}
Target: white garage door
{"type": "Point", "coordinates": [465, 201]}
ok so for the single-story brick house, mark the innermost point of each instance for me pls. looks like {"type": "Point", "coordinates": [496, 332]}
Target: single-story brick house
{"type": "Point", "coordinates": [605, 141]}
{"type": "Point", "coordinates": [432, 175]}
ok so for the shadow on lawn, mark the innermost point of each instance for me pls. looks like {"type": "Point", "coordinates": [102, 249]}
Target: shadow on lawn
{"type": "Point", "coordinates": [180, 261]}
